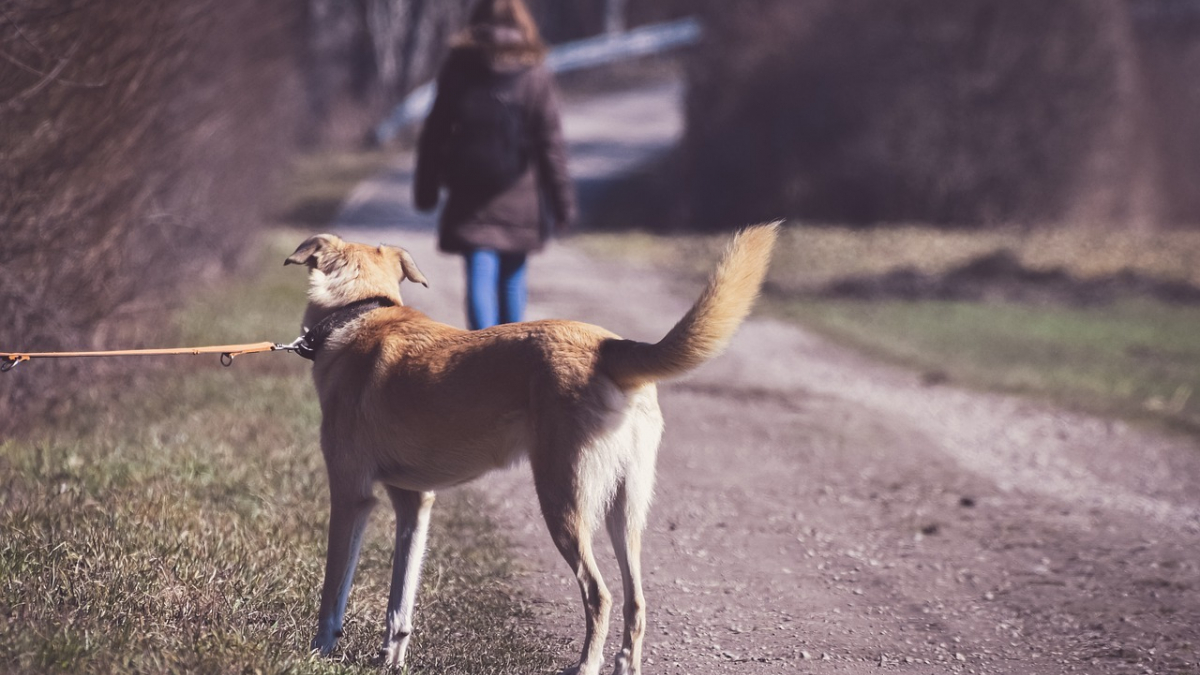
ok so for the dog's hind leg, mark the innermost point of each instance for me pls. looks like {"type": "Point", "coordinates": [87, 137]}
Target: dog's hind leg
{"type": "Point", "coordinates": [349, 508]}
{"type": "Point", "coordinates": [571, 528]}
{"type": "Point", "coordinates": [626, 520]}
{"type": "Point", "coordinates": [412, 530]}
{"type": "Point", "coordinates": [626, 536]}
{"type": "Point", "coordinates": [575, 544]}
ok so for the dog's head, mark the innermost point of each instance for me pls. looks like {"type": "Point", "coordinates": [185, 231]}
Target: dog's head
{"type": "Point", "coordinates": [341, 272]}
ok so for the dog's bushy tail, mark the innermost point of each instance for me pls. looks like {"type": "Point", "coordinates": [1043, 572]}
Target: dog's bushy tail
{"type": "Point", "coordinates": [707, 327]}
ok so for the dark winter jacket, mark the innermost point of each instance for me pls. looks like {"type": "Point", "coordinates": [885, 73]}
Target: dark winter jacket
{"type": "Point", "coordinates": [494, 141]}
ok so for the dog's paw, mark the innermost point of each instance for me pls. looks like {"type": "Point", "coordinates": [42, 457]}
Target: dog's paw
{"type": "Point", "coordinates": [623, 667]}
{"type": "Point", "coordinates": [394, 648]}
{"type": "Point", "coordinates": [392, 656]}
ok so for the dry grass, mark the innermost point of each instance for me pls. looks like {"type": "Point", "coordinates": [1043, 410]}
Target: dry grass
{"type": "Point", "coordinates": [812, 256]}
{"type": "Point", "coordinates": [809, 257]}
{"type": "Point", "coordinates": [180, 527]}
{"type": "Point", "coordinates": [319, 182]}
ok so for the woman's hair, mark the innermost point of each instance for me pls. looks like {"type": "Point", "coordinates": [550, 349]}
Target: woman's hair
{"type": "Point", "coordinates": [510, 14]}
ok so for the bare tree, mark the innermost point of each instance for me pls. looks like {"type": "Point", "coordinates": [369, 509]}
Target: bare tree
{"type": "Point", "coordinates": [136, 143]}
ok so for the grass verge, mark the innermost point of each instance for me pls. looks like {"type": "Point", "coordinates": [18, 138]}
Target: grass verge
{"type": "Point", "coordinates": [318, 183]}
{"type": "Point", "coordinates": [1135, 359]}
{"type": "Point", "coordinates": [180, 527]}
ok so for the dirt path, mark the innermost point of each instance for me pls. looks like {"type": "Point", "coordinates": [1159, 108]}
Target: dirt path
{"type": "Point", "coordinates": [818, 512]}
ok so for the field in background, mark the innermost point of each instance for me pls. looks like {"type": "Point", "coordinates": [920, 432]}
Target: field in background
{"type": "Point", "coordinates": [180, 526]}
{"type": "Point", "coordinates": [1135, 358]}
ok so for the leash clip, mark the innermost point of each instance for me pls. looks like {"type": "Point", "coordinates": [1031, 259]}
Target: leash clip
{"type": "Point", "coordinates": [299, 346]}
{"type": "Point", "coordinates": [293, 346]}
{"type": "Point", "coordinates": [12, 362]}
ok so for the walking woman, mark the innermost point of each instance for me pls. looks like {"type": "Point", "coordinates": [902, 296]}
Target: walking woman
{"type": "Point", "coordinates": [493, 139]}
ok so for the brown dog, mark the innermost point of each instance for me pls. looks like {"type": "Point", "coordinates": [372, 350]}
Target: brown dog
{"type": "Point", "coordinates": [418, 405]}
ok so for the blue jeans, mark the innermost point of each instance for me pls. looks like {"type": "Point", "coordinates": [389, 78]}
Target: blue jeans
{"type": "Point", "coordinates": [495, 287]}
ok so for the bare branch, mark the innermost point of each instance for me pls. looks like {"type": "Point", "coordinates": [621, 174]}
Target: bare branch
{"type": "Point", "coordinates": [44, 82]}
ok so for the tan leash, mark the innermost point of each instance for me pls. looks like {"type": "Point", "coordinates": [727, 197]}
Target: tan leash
{"type": "Point", "coordinates": [306, 345]}
{"type": "Point", "coordinates": [9, 360]}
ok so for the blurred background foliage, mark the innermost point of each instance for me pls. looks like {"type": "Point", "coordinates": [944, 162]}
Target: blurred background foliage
{"type": "Point", "coordinates": [965, 113]}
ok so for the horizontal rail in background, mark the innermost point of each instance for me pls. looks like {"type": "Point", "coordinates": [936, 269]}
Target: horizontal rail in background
{"type": "Point", "coordinates": [1164, 9]}
{"type": "Point", "coordinates": [609, 48]}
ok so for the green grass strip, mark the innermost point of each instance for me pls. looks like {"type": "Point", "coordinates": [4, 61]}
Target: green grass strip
{"type": "Point", "coordinates": [1135, 359]}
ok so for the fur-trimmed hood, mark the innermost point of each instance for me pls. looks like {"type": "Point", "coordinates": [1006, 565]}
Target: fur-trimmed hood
{"type": "Point", "coordinates": [500, 47]}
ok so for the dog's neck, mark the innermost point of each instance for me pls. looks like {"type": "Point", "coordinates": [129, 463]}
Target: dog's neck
{"type": "Point", "coordinates": [330, 291]}
{"type": "Point", "coordinates": [315, 335]}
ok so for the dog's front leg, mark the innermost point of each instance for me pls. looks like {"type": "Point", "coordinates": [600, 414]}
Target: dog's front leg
{"type": "Point", "coordinates": [412, 530]}
{"type": "Point", "coordinates": [348, 513]}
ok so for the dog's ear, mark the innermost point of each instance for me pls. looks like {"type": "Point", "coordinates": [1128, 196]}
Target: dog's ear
{"type": "Point", "coordinates": [409, 268]}
{"type": "Point", "coordinates": [309, 252]}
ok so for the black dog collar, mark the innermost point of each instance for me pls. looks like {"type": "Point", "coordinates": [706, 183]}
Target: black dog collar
{"type": "Point", "coordinates": [315, 337]}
